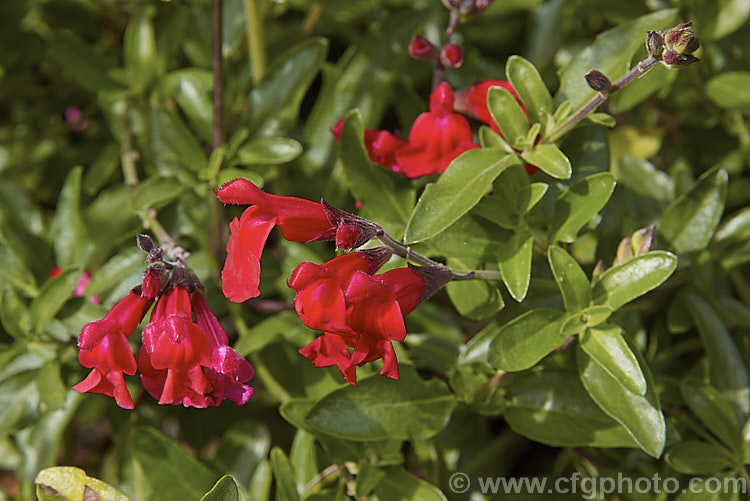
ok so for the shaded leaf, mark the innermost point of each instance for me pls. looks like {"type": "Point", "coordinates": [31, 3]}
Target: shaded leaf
{"type": "Point", "coordinates": [698, 458]}
{"type": "Point", "coordinates": [572, 281]}
{"type": "Point", "coordinates": [578, 204]}
{"type": "Point", "coordinates": [607, 347]}
{"type": "Point", "coordinates": [530, 87]}
{"type": "Point", "coordinates": [635, 277]}
{"type": "Point", "coordinates": [507, 114]}
{"type": "Point", "coordinates": [550, 160]}
{"type": "Point", "coordinates": [525, 340]}
{"type": "Point", "coordinates": [514, 261]}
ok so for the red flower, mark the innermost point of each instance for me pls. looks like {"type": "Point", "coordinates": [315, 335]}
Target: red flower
{"type": "Point", "coordinates": [189, 363]}
{"type": "Point", "coordinates": [299, 220]}
{"type": "Point", "coordinates": [355, 309]}
{"type": "Point", "coordinates": [436, 137]}
{"type": "Point", "coordinates": [103, 347]}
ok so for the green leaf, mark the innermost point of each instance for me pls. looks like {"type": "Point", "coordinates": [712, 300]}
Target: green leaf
{"type": "Point", "coordinates": [591, 316]}
{"type": "Point", "coordinates": [730, 90]}
{"type": "Point", "coordinates": [552, 407]}
{"type": "Point", "coordinates": [578, 204]}
{"type": "Point", "coordinates": [550, 160]}
{"type": "Point", "coordinates": [608, 348]}
{"type": "Point", "coordinates": [507, 114]}
{"type": "Point", "coordinates": [101, 169]}
{"type": "Point", "coordinates": [380, 190]}
{"type": "Point", "coordinates": [282, 472]}
{"type": "Point", "coordinates": [70, 483]}
{"type": "Point", "coordinates": [53, 294]}
{"type": "Point", "coordinates": [139, 48]}
{"type": "Point", "coordinates": [734, 229]}
{"type": "Point", "coordinates": [171, 471]}
{"type": "Point", "coordinates": [727, 369]}
{"type": "Point", "coordinates": [719, 19]}
{"type": "Point", "coordinates": [243, 446]}
{"type": "Point", "coordinates": [379, 408]}
{"type": "Point", "coordinates": [458, 189]}
{"type": "Point", "coordinates": [530, 87]}
{"type": "Point", "coordinates": [643, 178]}
{"type": "Point", "coordinates": [367, 478]}
{"type": "Point", "coordinates": [698, 458]}
{"type": "Point", "coordinates": [14, 314]}
{"type": "Point", "coordinates": [399, 485]}
{"type": "Point", "coordinates": [610, 53]}
{"type": "Point", "coordinates": [269, 151]}
{"type": "Point", "coordinates": [475, 299]}
{"type": "Point", "coordinates": [688, 224]}
{"type": "Point", "coordinates": [192, 91]}
{"type": "Point", "coordinates": [714, 411]}
{"type": "Point", "coordinates": [514, 261]}
{"type": "Point", "coordinates": [224, 490]}
{"type": "Point", "coordinates": [275, 103]}
{"type": "Point", "coordinates": [572, 281]}
{"type": "Point", "coordinates": [635, 277]}
{"type": "Point", "coordinates": [640, 415]}
{"type": "Point", "coordinates": [72, 242]}
{"type": "Point", "coordinates": [260, 485]}
{"type": "Point", "coordinates": [471, 240]}
{"type": "Point", "coordinates": [527, 339]}
{"type": "Point", "coordinates": [174, 144]}
{"type": "Point", "coordinates": [52, 389]}
{"type": "Point", "coordinates": [14, 272]}
{"type": "Point", "coordinates": [155, 192]}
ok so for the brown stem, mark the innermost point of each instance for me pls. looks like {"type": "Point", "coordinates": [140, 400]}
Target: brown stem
{"type": "Point", "coordinates": [439, 70]}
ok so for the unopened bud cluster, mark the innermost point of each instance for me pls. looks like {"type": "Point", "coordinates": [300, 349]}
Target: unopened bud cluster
{"type": "Point", "coordinates": [467, 7]}
{"type": "Point", "coordinates": [675, 47]}
{"type": "Point", "coordinates": [639, 242]}
{"type": "Point", "coordinates": [451, 55]}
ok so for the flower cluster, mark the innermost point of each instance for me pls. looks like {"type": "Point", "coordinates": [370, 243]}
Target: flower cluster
{"type": "Point", "coordinates": [354, 307]}
{"type": "Point", "coordinates": [436, 137]}
{"type": "Point", "coordinates": [185, 357]}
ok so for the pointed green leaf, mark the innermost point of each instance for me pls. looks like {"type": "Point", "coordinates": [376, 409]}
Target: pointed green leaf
{"type": "Point", "coordinates": [379, 408]}
{"type": "Point", "coordinates": [514, 261]}
{"type": "Point", "coordinates": [530, 87]}
{"type": "Point", "coordinates": [139, 47]}
{"type": "Point", "coordinates": [698, 458]}
{"type": "Point", "coordinates": [507, 114]}
{"type": "Point", "coordinates": [70, 483]}
{"type": "Point", "coordinates": [552, 407]}
{"type": "Point", "coordinates": [72, 241]}
{"type": "Point", "coordinates": [377, 188]}
{"type": "Point", "coordinates": [192, 91]}
{"type": "Point", "coordinates": [269, 151]}
{"type": "Point", "coordinates": [572, 281]}
{"type": "Point", "coordinates": [578, 204]}
{"type": "Point", "coordinates": [550, 160]}
{"type": "Point", "coordinates": [155, 192]}
{"type": "Point", "coordinates": [640, 415]}
{"type": "Point", "coordinates": [607, 347]}
{"type": "Point", "coordinates": [730, 90]}
{"type": "Point", "coordinates": [475, 299]}
{"type": "Point", "coordinates": [688, 224]}
{"type": "Point", "coordinates": [174, 144]}
{"type": "Point", "coordinates": [635, 277]}
{"type": "Point", "coordinates": [727, 370]}
{"type": "Point", "coordinates": [458, 189]}
{"type": "Point", "coordinates": [14, 314]}
{"type": "Point", "coordinates": [224, 490]}
{"type": "Point", "coordinates": [284, 476]}
{"type": "Point", "coordinates": [260, 485]}
{"type": "Point", "coordinates": [488, 138]}
{"type": "Point", "coordinates": [714, 411]}
{"type": "Point", "coordinates": [527, 339]}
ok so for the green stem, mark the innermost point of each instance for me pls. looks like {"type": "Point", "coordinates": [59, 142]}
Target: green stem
{"type": "Point", "coordinates": [150, 222]}
{"type": "Point", "coordinates": [638, 70]}
{"type": "Point", "coordinates": [439, 70]}
{"type": "Point", "coordinates": [127, 155]}
{"type": "Point", "coordinates": [216, 36]}
{"type": "Point", "coordinates": [255, 44]}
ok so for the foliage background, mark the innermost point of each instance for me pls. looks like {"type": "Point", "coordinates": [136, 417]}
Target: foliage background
{"type": "Point", "coordinates": [140, 72]}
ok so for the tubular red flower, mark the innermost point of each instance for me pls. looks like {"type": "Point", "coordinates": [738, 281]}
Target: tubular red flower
{"type": "Point", "coordinates": [436, 137]}
{"type": "Point", "coordinates": [299, 220]}
{"type": "Point", "coordinates": [190, 363]}
{"type": "Point", "coordinates": [103, 347]}
{"type": "Point", "coordinates": [354, 309]}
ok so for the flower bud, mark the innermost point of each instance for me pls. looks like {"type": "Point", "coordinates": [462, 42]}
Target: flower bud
{"type": "Point", "coordinates": [654, 44]}
{"type": "Point", "coordinates": [681, 39]}
{"type": "Point", "coordinates": [351, 231]}
{"type": "Point", "coordinates": [452, 56]}
{"type": "Point", "coordinates": [421, 48]}
{"type": "Point", "coordinates": [672, 59]}
{"type": "Point", "coordinates": [346, 236]}
{"type": "Point", "coordinates": [598, 81]}
{"type": "Point", "coordinates": [643, 240]}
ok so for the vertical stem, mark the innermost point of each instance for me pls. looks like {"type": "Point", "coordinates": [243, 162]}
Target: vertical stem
{"type": "Point", "coordinates": [255, 46]}
{"type": "Point", "coordinates": [437, 73]}
{"type": "Point", "coordinates": [216, 37]}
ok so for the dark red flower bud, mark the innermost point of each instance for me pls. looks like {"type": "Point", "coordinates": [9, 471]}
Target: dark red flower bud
{"type": "Point", "coordinates": [452, 55]}
{"type": "Point", "coordinates": [351, 231]}
{"type": "Point", "coordinates": [598, 81]}
{"type": "Point", "coordinates": [421, 48]}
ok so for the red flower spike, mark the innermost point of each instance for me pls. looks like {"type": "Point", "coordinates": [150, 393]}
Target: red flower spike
{"type": "Point", "coordinates": [452, 55]}
{"type": "Point", "coordinates": [436, 137]}
{"type": "Point", "coordinates": [421, 48]}
{"type": "Point", "coordinates": [103, 347]}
